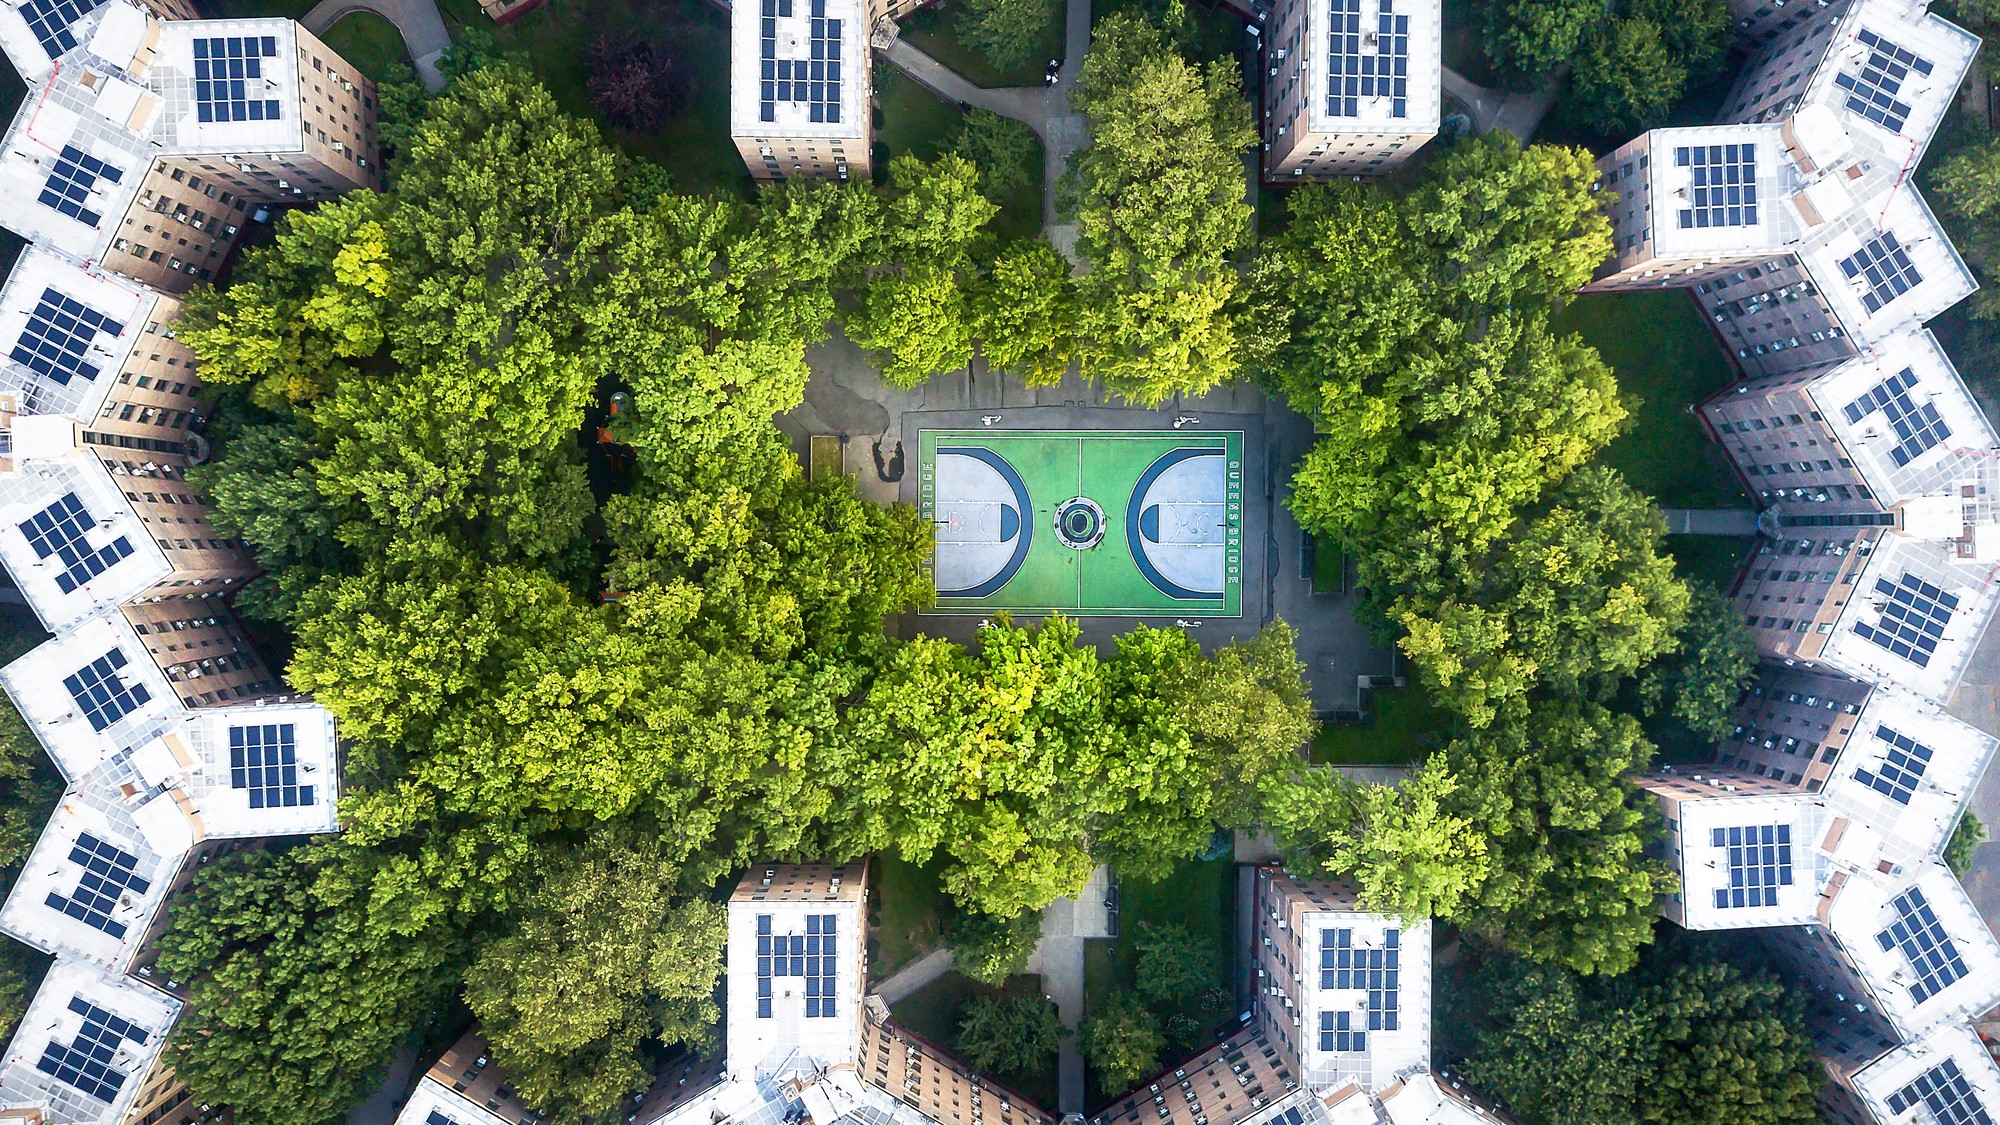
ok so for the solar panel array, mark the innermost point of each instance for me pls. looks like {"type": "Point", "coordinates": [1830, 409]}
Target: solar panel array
{"type": "Point", "coordinates": [815, 80]}
{"type": "Point", "coordinates": [1338, 1033]}
{"type": "Point", "coordinates": [68, 186]}
{"type": "Point", "coordinates": [1932, 955]}
{"type": "Point", "coordinates": [85, 1062]}
{"type": "Point", "coordinates": [1918, 428]}
{"type": "Point", "coordinates": [108, 872]}
{"type": "Point", "coordinates": [1883, 267]}
{"type": "Point", "coordinates": [51, 21]}
{"type": "Point", "coordinates": [223, 70]}
{"type": "Point", "coordinates": [58, 336]}
{"type": "Point", "coordinates": [1873, 91]}
{"type": "Point", "coordinates": [1760, 861]}
{"type": "Point", "coordinates": [58, 532]}
{"type": "Point", "coordinates": [264, 760]}
{"type": "Point", "coordinates": [1912, 623]}
{"type": "Point", "coordinates": [437, 1118]}
{"type": "Point", "coordinates": [1343, 965]}
{"type": "Point", "coordinates": [1901, 770]}
{"type": "Point", "coordinates": [1359, 69]}
{"type": "Point", "coordinates": [1944, 1090]}
{"type": "Point", "coordinates": [104, 697]}
{"type": "Point", "coordinates": [1724, 191]}
{"type": "Point", "coordinates": [812, 955]}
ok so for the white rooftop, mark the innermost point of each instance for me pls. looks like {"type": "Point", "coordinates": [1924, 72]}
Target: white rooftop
{"type": "Point", "coordinates": [1901, 779]}
{"type": "Point", "coordinates": [797, 68]}
{"type": "Point", "coordinates": [35, 33]}
{"type": "Point", "coordinates": [1885, 264]}
{"type": "Point", "coordinates": [85, 1045]}
{"type": "Point", "coordinates": [264, 769]}
{"type": "Point", "coordinates": [433, 1103]}
{"type": "Point", "coordinates": [1921, 1083]}
{"type": "Point", "coordinates": [228, 86]}
{"type": "Point", "coordinates": [1749, 860]}
{"type": "Point", "coordinates": [1906, 419]}
{"type": "Point", "coordinates": [101, 868]}
{"type": "Point", "coordinates": [1423, 1100]}
{"type": "Point", "coordinates": [1919, 945]}
{"type": "Point", "coordinates": [795, 981]}
{"type": "Point", "coordinates": [1721, 191]}
{"type": "Point", "coordinates": [1890, 73]}
{"type": "Point", "coordinates": [90, 692]}
{"type": "Point", "coordinates": [71, 540]}
{"type": "Point", "coordinates": [65, 332]}
{"type": "Point", "coordinates": [1377, 68]}
{"type": "Point", "coordinates": [1365, 1002]}
{"type": "Point", "coordinates": [1914, 618]}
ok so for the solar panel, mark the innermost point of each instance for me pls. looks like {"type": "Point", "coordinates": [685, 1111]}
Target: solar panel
{"type": "Point", "coordinates": [1913, 619]}
{"type": "Point", "coordinates": [1344, 965]}
{"type": "Point", "coordinates": [1918, 428]}
{"type": "Point", "coordinates": [1932, 955]}
{"type": "Point", "coordinates": [1724, 188]}
{"type": "Point", "coordinates": [1760, 861]}
{"type": "Point", "coordinates": [68, 187]}
{"type": "Point", "coordinates": [1901, 770]}
{"type": "Point", "coordinates": [108, 872]}
{"type": "Point", "coordinates": [60, 531]}
{"type": "Point", "coordinates": [437, 1118]}
{"type": "Point", "coordinates": [1873, 91]}
{"type": "Point", "coordinates": [1375, 67]}
{"type": "Point", "coordinates": [104, 697]}
{"type": "Point", "coordinates": [59, 335]}
{"type": "Point", "coordinates": [815, 80]}
{"type": "Point", "coordinates": [1944, 1090]}
{"type": "Point", "coordinates": [85, 1062]}
{"type": "Point", "coordinates": [223, 70]}
{"type": "Point", "coordinates": [1883, 269]}
{"type": "Point", "coordinates": [811, 955]}
{"type": "Point", "coordinates": [1338, 1033]}
{"type": "Point", "coordinates": [264, 760]}
{"type": "Point", "coordinates": [51, 21]}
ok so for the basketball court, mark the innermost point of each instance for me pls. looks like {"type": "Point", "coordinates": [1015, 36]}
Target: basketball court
{"type": "Point", "coordinates": [1086, 522]}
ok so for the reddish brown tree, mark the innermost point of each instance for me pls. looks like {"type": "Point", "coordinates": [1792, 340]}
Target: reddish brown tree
{"type": "Point", "coordinates": [635, 83]}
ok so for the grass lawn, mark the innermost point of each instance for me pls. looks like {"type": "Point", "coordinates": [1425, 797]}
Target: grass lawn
{"type": "Point", "coordinates": [1713, 559]}
{"type": "Point", "coordinates": [695, 146]}
{"type": "Point", "coordinates": [909, 911]}
{"type": "Point", "coordinates": [934, 31]}
{"type": "Point", "coordinates": [1200, 895]}
{"type": "Point", "coordinates": [368, 41]}
{"type": "Point", "coordinates": [1329, 568]}
{"type": "Point", "coordinates": [934, 1011]}
{"type": "Point", "coordinates": [1405, 727]}
{"type": "Point", "coordinates": [1667, 360]}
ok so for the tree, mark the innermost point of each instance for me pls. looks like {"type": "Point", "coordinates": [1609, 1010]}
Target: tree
{"type": "Point", "coordinates": [1963, 847]}
{"type": "Point", "coordinates": [1006, 33]}
{"type": "Point", "coordinates": [1009, 1034]}
{"type": "Point", "coordinates": [1160, 211]}
{"type": "Point", "coordinates": [1023, 311]}
{"type": "Point", "coordinates": [990, 949]}
{"type": "Point", "coordinates": [1626, 78]}
{"type": "Point", "coordinates": [1696, 32]}
{"type": "Point", "coordinates": [1005, 151]}
{"type": "Point", "coordinates": [1174, 962]}
{"type": "Point", "coordinates": [1526, 40]}
{"type": "Point", "coordinates": [1712, 665]}
{"type": "Point", "coordinates": [1411, 848]}
{"type": "Point", "coordinates": [635, 83]}
{"type": "Point", "coordinates": [913, 307]}
{"type": "Point", "coordinates": [263, 487]}
{"type": "Point", "coordinates": [1121, 1042]}
{"type": "Point", "coordinates": [606, 955]}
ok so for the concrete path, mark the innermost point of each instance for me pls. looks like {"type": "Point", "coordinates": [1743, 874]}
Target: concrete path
{"type": "Point", "coordinates": [1066, 924]}
{"type": "Point", "coordinates": [913, 976]}
{"type": "Point", "coordinates": [382, 1105]}
{"type": "Point", "coordinates": [419, 21]}
{"type": "Point", "coordinates": [1736, 522]}
{"type": "Point", "coordinates": [1515, 113]}
{"type": "Point", "coordinates": [1976, 700]}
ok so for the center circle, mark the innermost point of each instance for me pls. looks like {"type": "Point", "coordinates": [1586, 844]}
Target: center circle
{"type": "Point", "coordinates": [1079, 523]}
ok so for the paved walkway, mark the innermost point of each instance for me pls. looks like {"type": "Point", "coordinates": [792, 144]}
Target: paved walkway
{"type": "Point", "coordinates": [913, 976]}
{"type": "Point", "coordinates": [1066, 924]}
{"type": "Point", "coordinates": [419, 21]}
{"type": "Point", "coordinates": [1515, 113]}
{"type": "Point", "coordinates": [1739, 523]}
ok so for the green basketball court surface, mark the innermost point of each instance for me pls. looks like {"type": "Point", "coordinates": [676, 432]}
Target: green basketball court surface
{"type": "Point", "coordinates": [1085, 522]}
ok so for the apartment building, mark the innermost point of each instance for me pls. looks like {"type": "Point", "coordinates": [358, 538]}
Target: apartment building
{"type": "Point", "coordinates": [153, 141]}
{"type": "Point", "coordinates": [799, 88]}
{"type": "Point", "coordinates": [1352, 87]}
{"type": "Point", "coordinates": [85, 1044]}
{"type": "Point", "coordinates": [464, 1088]}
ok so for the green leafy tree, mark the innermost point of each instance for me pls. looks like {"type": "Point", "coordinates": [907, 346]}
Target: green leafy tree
{"type": "Point", "coordinates": [1006, 33]}
{"type": "Point", "coordinates": [1700, 683]}
{"type": "Point", "coordinates": [1005, 151]}
{"type": "Point", "coordinates": [605, 956]}
{"type": "Point", "coordinates": [1963, 845]}
{"type": "Point", "coordinates": [1174, 962]}
{"type": "Point", "coordinates": [1010, 1034]}
{"type": "Point", "coordinates": [913, 308]}
{"type": "Point", "coordinates": [263, 487]}
{"type": "Point", "coordinates": [1023, 311]}
{"type": "Point", "coordinates": [30, 787]}
{"type": "Point", "coordinates": [1626, 78]}
{"type": "Point", "coordinates": [1160, 213]}
{"type": "Point", "coordinates": [1411, 848]}
{"type": "Point", "coordinates": [990, 949]}
{"type": "Point", "coordinates": [1121, 1042]}
{"type": "Point", "coordinates": [1697, 32]}
{"type": "Point", "coordinates": [1526, 40]}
